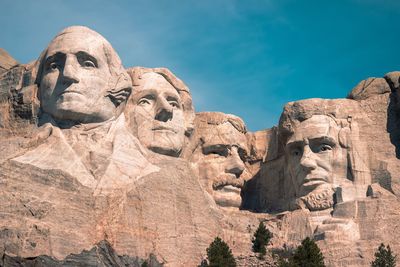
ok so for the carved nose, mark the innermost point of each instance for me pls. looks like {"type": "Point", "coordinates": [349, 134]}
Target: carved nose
{"type": "Point", "coordinates": [307, 160]}
{"type": "Point", "coordinates": [69, 71]}
{"type": "Point", "coordinates": [235, 164]}
{"type": "Point", "coordinates": [164, 112]}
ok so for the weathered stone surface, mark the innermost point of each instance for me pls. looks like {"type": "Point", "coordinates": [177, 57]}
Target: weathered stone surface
{"type": "Point", "coordinates": [100, 165]}
{"type": "Point", "coordinates": [6, 61]}
{"type": "Point", "coordinates": [369, 87]}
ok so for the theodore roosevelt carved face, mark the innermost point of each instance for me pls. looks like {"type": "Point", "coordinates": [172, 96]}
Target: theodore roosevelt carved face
{"type": "Point", "coordinates": [220, 156]}
{"type": "Point", "coordinates": [80, 77]}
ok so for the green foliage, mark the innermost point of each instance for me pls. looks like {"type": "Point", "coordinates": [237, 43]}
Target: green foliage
{"type": "Point", "coordinates": [384, 257]}
{"type": "Point", "coordinates": [285, 263]}
{"type": "Point", "coordinates": [219, 254]}
{"type": "Point", "coordinates": [261, 238]}
{"type": "Point", "coordinates": [203, 264]}
{"type": "Point", "coordinates": [307, 254]}
{"type": "Point", "coordinates": [145, 264]}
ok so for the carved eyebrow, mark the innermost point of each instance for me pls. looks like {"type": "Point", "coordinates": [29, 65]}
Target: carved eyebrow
{"type": "Point", "coordinates": [173, 98]}
{"type": "Point", "coordinates": [82, 56]}
{"type": "Point", "coordinates": [295, 144]}
{"type": "Point", "coordinates": [52, 58]}
{"type": "Point", "coordinates": [148, 96]}
{"type": "Point", "coordinates": [324, 139]}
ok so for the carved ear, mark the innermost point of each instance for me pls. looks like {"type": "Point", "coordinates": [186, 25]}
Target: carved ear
{"type": "Point", "coordinates": [121, 90]}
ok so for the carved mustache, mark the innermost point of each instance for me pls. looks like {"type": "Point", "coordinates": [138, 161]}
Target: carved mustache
{"type": "Point", "coordinates": [227, 179]}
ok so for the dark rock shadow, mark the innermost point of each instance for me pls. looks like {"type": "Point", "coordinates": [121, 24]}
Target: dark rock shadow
{"type": "Point", "coordinates": [393, 122]}
{"type": "Point", "coordinates": [102, 254]}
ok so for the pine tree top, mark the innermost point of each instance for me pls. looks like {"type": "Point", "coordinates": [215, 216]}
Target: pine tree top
{"type": "Point", "coordinates": [384, 257]}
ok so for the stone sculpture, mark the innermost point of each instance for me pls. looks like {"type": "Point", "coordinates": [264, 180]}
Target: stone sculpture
{"type": "Point", "coordinates": [160, 110]}
{"type": "Point", "coordinates": [218, 156]}
{"type": "Point", "coordinates": [81, 78]}
{"type": "Point", "coordinates": [316, 161]}
{"type": "Point", "coordinates": [98, 158]}
{"type": "Point", "coordinates": [83, 89]}
{"type": "Point", "coordinates": [319, 157]}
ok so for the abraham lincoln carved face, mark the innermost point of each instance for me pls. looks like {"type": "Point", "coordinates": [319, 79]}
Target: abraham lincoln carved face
{"type": "Point", "coordinates": [316, 161]}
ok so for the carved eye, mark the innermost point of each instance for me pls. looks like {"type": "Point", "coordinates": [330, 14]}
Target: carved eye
{"type": "Point", "coordinates": [216, 151]}
{"type": "Point", "coordinates": [242, 153]}
{"type": "Point", "coordinates": [324, 147]}
{"type": "Point", "coordinates": [143, 102]}
{"type": "Point", "coordinates": [89, 64]}
{"type": "Point", "coordinates": [174, 101]}
{"type": "Point", "coordinates": [53, 65]}
{"type": "Point", "coordinates": [175, 104]}
{"type": "Point", "coordinates": [296, 152]}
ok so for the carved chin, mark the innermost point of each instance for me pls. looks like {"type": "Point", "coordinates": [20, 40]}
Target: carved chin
{"type": "Point", "coordinates": [166, 143]}
{"type": "Point", "coordinates": [319, 199]}
{"type": "Point", "coordinates": [228, 197]}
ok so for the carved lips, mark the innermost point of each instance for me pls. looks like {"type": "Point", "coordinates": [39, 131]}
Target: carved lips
{"type": "Point", "coordinates": [226, 190]}
{"type": "Point", "coordinates": [161, 128]}
{"type": "Point", "coordinates": [310, 183]}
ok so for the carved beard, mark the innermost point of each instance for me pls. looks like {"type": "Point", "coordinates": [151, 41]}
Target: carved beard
{"type": "Point", "coordinates": [319, 199]}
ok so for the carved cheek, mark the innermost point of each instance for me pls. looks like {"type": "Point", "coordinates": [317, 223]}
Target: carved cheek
{"type": "Point", "coordinates": [48, 84]}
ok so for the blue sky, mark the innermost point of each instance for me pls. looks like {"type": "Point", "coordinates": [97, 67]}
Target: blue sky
{"type": "Point", "coordinates": [247, 58]}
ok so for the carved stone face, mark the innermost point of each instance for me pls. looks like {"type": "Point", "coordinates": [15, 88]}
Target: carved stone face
{"type": "Point", "coordinates": [75, 79]}
{"type": "Point", "coordinates": [221, 164]}
{"type": "Point", "coordinates": [158, 117]}
{"type": "Point", "coordinates": [316, 161]}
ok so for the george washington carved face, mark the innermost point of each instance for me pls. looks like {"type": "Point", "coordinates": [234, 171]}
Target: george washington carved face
{"type": "Point", "coordinates": [76, 78]}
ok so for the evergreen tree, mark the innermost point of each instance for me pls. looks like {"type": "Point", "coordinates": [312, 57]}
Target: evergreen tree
{"type": "Point", "coordinates": [219, 254]}
{"type": "Point", "coordinates": [261, 238]}
{"type": "Point", "coordinates": [307, 254]}
{"type": "Point", "coordinates": [282, 262]}
{"type": "Point", "coordinates": [384, 257]}
{"type": "Point", "coordinates": [203, 263]}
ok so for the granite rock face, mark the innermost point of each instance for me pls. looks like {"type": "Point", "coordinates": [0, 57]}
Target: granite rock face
{"type": "Point", "coordinates": [106, 166]}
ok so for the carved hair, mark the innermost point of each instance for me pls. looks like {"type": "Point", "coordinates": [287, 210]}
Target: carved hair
{"type": "Point", "coordinates": [217, 118]}
{"type": "Point", "coordinates": [136, 73]}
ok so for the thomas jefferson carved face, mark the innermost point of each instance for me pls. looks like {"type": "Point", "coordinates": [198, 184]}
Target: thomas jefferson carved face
{"type": "Point", "coordinates": [75, 78]}
{"type": "Point", "coordinates": [316, 161]}
{"type": "Point", "coordinates": [158, 115]}
{"type": "Point", "coordinates": [220, 162]}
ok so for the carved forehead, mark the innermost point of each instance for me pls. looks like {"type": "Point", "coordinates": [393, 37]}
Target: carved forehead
{"type": "Point", "coordinates": [80, 38]}
{"type": "Point", "coordinates": [156, 82]}
{"type": "Point", "coordinates": [75, 40]}
{"type": "Point", "coordinates": [216, 128]}
{"type": "Point", "coordinates": [223, 134]}
{"type": "Point", "coordinates": [315, 127]}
